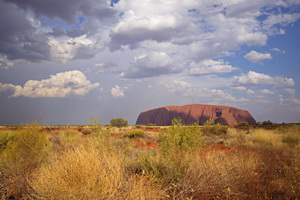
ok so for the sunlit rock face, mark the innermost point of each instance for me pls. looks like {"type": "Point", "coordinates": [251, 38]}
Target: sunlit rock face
{"type": "Point", "coordinates": [199, 113]}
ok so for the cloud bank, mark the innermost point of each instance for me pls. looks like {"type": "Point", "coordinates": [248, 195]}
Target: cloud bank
{"type": "Point", "coordinates": [59, 85]}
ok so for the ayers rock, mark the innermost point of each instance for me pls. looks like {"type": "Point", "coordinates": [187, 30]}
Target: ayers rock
{"type": "Point", "coordinates": [195, 113]}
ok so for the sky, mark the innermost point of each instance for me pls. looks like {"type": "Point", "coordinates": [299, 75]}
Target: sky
{"type": "Point", "coordinates": [65, 61]}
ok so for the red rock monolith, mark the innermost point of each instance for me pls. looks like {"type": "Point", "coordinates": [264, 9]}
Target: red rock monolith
{"type": "Point", "coordinates": [199, 113]}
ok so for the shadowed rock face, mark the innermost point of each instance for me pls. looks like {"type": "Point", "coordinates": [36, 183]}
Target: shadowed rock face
{"type": "Point", "coordinates": [195, 113]}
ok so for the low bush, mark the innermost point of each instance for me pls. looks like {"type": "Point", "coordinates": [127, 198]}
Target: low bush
{"type": "Point", "coordinates": [180, 138]}
{"type": "Point", "coordinates": [135, 133]}
{"type": "Point", "coordinates": [214, 129]}
{"type": "Point", "coordinates": [177, 144]}
{"type": "Point", "coordinates": [243, 123]}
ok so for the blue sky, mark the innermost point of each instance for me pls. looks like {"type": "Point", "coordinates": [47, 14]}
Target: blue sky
{"type": "Point", "coordinates": [62, 62]}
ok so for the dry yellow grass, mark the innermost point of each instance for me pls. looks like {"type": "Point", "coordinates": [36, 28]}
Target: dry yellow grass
{"type": "Point", "coordinates": [19, 156]}
{"type": "Point", "coordinates": [86, 173]}
{"type": "Point", "coordinates": [267, 137]}
{"type": "Point", "coordinates": [218, 176]}
{"type": "Point", "coordinates": [246, 164]}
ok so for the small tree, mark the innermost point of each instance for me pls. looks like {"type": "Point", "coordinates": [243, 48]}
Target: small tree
{"type": "Point", "coordinates": [95, 126]}
{"type": "Point", "coordinates": [243, 123]}
{"type": "Point", "coordinates": [118, 122]}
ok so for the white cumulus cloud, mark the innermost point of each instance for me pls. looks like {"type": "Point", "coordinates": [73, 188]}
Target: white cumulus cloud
{"type": "Point", "coordinates": [72, 48]}
{"type": "Point", "coordinates": [254, 56]}
{"type": "Point", "coordinates": [6, 87]}
{"type": "Point", "coordinates": [117, 91]}
{"type": "Point", "coordinates": [258, 79]}
{"type": "Point", "coordinates": [209, 66]}
{"type": "Point", "coordinates": [59, 85]}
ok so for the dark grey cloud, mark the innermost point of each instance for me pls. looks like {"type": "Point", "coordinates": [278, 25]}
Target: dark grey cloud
{"type": "Point", "coordinates": [86, 52]}
{"type": "Point", "coordinates": [133, 37]}
{"type": "Point", "coordinates": [67, 10]}
{"type": "Point", "coordinates": [57, 31]}
{"type": "Point", "coordinates": [18, 37]}
{"type": "Point", "coordinates": [23, 37]}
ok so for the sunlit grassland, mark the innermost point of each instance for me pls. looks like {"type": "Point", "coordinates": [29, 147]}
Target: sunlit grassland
{"type": "Point", "coordinates": [149, 162]}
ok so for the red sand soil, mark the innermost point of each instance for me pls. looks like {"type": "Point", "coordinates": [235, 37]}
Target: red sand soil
{"type": "Point", "coordinates": [142, 143]}
{"type": "Point", "coordinates": [145, 143]}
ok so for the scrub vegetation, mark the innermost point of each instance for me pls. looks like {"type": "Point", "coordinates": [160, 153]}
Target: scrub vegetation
{"type": "Point", "coordinates": [177, 162]}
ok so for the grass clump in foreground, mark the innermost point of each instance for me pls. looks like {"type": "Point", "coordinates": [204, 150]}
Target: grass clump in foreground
{"type": "Point", "coordinates": [21, 154]}
{"type": "Point", "coordinates": [87, 173]}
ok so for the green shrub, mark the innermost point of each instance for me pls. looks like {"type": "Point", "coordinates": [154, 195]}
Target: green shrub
{"type": "Point", "coordinates": [118, 122]}
{"type": "Point", "coordinates": [180, 138]}
{"type": "Point", "coordinates": [243, 123]}
{"type": "Point", "coordinates": [214, 129]}
{"type": "Point", "coordinates": [176, 143]}
{"type": "Point", "coordinates": [23, 153]}
{"type": "Point", "coordinates": [135, 133]}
